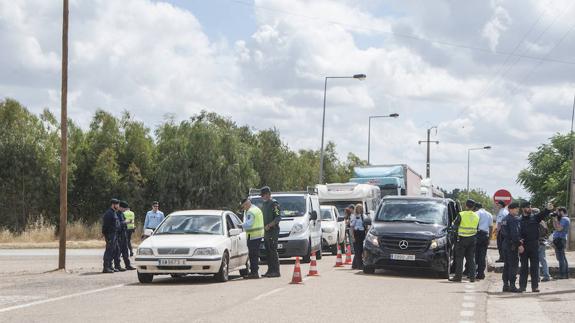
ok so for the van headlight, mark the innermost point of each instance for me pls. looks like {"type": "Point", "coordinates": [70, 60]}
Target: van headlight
{"type": "Point", "coordinates": [298, 228]}
{"type": "Point", "coordinates": [206, 252]}
{"type": "Point", "coordinates": [145, 251]}
{"type": "Point", "coordinates": [438, 243]}
{"type": "Point", "coordinates": [372, 239]}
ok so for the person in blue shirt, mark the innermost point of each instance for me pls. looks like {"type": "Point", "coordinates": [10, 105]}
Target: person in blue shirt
{"type": "Point", "coordinates": [154, 217]}
{"type": "Point", "coordinates": [561, 224]}
{"type": "Point", "coordinates": [358, 229]}
{"type": "Point", "coordinates": [485, 228]}
{"type": "Point", "coordinates": [511, 235]}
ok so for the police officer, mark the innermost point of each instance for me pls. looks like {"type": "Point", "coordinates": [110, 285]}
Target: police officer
{"type": "Point", "coordinates": [530, 241]}
{"type": "Point", "coordinates": [131, 227]}
{"type": "Point", "coordinates": [121, 241]}
{"type": "Point", "coordinates": [511, 235]}
{"type": "Point", "coordinates": [109, 227]}
{"type": "Point", "coordinates": [466, 224]}
{"type": "Point", "coordinates": [254, 227]}
{"type": "Point", "coordinates": [271, 213]}
{"type": "Point", "coordinates": [485, 228]}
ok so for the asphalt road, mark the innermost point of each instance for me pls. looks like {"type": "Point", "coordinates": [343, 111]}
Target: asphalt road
{"type": "Point", "coordinates": [337, 295]}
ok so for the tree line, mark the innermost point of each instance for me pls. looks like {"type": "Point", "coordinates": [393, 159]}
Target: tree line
{"type": "Point", "coordinates": [206, 161]}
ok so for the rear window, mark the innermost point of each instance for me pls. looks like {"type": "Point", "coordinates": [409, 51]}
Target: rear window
{"type": "Point", "coordinates": [417, 211]}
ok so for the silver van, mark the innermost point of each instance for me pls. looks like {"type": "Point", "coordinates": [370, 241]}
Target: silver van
{"type": "Point", "coordinates": [300, 225]}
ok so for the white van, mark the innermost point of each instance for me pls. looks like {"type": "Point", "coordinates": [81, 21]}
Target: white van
{"type": "Point", "coordinates": [300, 225]}
{"type": "Point", "coordinates": [341, 195]}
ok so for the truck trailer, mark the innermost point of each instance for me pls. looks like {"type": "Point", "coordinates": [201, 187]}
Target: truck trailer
{"type": "Point", "coordinates": [394, 180]}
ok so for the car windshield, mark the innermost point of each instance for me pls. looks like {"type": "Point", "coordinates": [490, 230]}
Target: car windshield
{"type": "Point", "coordinates": [290, 206]}
{"type": "Point", "coordinates": [326, 214]}
{"type": "Point", "coordinates": [191, 224]}
{"type": "Point", "coordinates": [418, 211]}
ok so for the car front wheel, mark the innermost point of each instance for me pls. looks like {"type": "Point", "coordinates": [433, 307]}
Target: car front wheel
{"type": "Point", "coordinates": [224, 274]}
{"type": "Point", "coordinates": [368, 270]}
{"type": "Point", "coordinates": [145, 278]}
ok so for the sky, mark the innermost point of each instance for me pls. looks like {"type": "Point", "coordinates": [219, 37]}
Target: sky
{"type": "Point", "coordinates": [484, 72]}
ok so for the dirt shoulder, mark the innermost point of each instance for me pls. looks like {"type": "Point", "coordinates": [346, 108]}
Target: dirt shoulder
{"type": "Point", "coordinates": [86, 244]}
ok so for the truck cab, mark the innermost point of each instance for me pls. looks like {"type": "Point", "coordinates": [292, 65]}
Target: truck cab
{"type": "Point", "coordinates": [300, 225]}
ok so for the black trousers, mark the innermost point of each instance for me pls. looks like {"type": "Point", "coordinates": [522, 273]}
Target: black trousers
{"type": "Point", "coordinates": [465, 247]}
{"type": "Point", "coordinates": [129, 238]}
{"type": "Point", "coordinates": [481, 253]}
{"type": "Point", "coordinates": [500, 245]}
{"type": "Point", "coordinates": [254, 254]}
{"type": "Point", "coordinates": [110, 249]}
{"type": "Point", "coordinates": [529, 264]}
{"type": "Point", "coordinates": [121, 250]}
{"type": "Point", "coordinates": [273, 260]}
{"type": "Point", "coordinates": [359, 237]}
{"type": "Point", "coordinates": [510, 265]}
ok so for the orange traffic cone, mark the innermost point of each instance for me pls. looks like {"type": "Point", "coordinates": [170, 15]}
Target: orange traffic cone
{"type": "Point", "coordinates": [348, 260]}
{"type": "Point", "coordinates": [338, 260]}
{"type": "Point", "coordinates": [313, 266]}
{"type": "Point", "coordinates": [296, 278]}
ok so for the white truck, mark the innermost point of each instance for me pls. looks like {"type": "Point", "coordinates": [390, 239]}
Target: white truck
{"type": "Point", "coordinates": [398, 179]}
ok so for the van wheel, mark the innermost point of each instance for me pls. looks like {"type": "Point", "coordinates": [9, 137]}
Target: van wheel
{"type": "Point", "coordinates": [145, 278]}
{"type": "Point", "coordinates": [446, 273]}
{"type": "Point", "coordinates": [224, 275]}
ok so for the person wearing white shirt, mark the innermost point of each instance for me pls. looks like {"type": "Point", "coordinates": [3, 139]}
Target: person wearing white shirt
{"type": "Point", "coordinates": [501, 214]}
{"type": "Point", "coordinates": [484, 230]}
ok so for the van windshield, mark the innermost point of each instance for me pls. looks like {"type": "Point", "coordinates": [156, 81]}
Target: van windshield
{"type": "Point", "coordinates": [326, 214]}
{"type": "Point", "coordinates": [342, 205]}
{"type": "Point", "coordinates": [417, 211]}
{"type": "Point", "coordinates": [290, 206]}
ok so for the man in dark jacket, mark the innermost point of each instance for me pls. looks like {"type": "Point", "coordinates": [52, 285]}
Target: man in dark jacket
{"type": "Point", "coordinates": [123, 249]}
{"type": "Point", "coordinates": [530, 241]}
{"type": "Point", "coordinates": [271, 212]}
{"type": "Point", "coordinates": [511, 235]}
{"type": "Point", "coordinates": [110, 226]}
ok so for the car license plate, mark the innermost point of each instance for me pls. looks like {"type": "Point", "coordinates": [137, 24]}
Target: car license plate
{"type": "Point", "coordinates": [396, 256]}
{"type": "Point", "coordinates": [280, 246]}
{"type": "Point", "coordinates": [172, 262]}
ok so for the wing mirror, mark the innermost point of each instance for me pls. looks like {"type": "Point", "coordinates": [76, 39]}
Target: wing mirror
{"type": "Point", "coordinates": [367, 221]}
{"type": "Point", "coordinates": [340, 219]}
{"type": "Point", "coordinates": [313, 215]}
{"type": "Point", "coordinates": [235, 232]}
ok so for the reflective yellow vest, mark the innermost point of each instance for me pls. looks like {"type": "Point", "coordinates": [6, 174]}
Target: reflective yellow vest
{"type": "Point", "coordinates": [469, 223]}
{"type": "Point", "coordinates": [129, 215]}
{"type": "Point", "coordinates": [256, 230]}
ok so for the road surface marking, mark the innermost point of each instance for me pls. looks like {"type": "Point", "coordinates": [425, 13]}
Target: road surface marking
{"type": "Point", "coordinates": [257, 298]}
{"type": "Point", "coordinates": [469, 286]}
{"type": "Point", "coordinates": [468, 298]}
{"type": "Point", "coordinates": [467, 313]}
{"type": "Point", "coordinates": [55, 299]}
{"type": "Point", "coordinates": [468, 305]}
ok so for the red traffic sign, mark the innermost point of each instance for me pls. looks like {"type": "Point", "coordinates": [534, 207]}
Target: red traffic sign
{"type": "Point", "coordinates": [502, 195]}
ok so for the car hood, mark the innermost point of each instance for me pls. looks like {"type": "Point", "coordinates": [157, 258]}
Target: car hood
{"type": "Point", "coordinates": [402, 229]}
{"type": "Point", "coordinates": [183, 240]}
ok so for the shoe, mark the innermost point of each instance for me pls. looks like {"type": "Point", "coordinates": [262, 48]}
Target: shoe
{"type": "Point", "coordinates": [108, 271]}
{"type": "Point", "coordinates": [535, 290]}
{"type": "Point", "coordinates": [514, 289]}
{"type": "Point", "coordinates": [131, 254]}
{"type": "Point", "coordinates": [480, 277]}
{"type": "Point", "coordinates": [522, 289]}
{"type": "Point", "coordinates": [274, 275]}
{"type": "Point", "coordinates": [499, 260]}
{"type": "Point", "coordinates": [252, 276]}
{"type": "Point", "coordinates": [130, 268]}
{"type": "Point", "coordinates": [546, 279]}
{"type": "Point", "coordinates": [121, 269]}
{"type": "Point", "coordinates": [455, 279]}
{"type": "Point", "coordinates": [116, 270]}
{"type": "Point", "coordinates": [506, 288]}
{"type": "Point", "coordinates": [472, 280]}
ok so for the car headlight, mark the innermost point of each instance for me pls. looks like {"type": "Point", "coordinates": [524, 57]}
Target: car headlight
{"type": "Point", "coordinates": [372, 239]}
{"type": "Point", "coordinates": [297, 228]}
{"type": "Point", "coordinates": [145, 251]}
{"type": "Point", "coordinates": [206, 252]}
{"type": "Point", "coordinates": [328, 229]}
{"type": "Point", "coordinates": [438, 243]}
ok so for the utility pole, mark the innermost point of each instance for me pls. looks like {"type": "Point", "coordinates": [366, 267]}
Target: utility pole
{"type": "Point", "coordinates": [428, 141]}
{"type": "Point", "coordinates": [64, 142]}
{"type": "Point", "coordinates": [571, 194]}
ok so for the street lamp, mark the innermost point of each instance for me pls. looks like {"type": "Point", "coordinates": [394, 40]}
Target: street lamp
{"type": "Point", "coordinates": [468, 157]}
{"type": "Point", "coordinates": [393, 115]}
{"type": "Point", "coordinates": [360, 77]}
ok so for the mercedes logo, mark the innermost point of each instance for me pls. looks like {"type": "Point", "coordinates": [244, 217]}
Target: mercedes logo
{"type": "Point", "coordinates": [403, 244]}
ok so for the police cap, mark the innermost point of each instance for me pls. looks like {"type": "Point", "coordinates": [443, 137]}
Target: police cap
{"type": "Point", "coordinates": [513, 205]}
{"type": "Point", "coordinates": [470, 203]}
{"type": "Point", "coordinates": [525, 204]}
{"type": "Point", "coordinates": [114, 201]}
{"type": "Point", "coordinates": [265, 190]}
{"type": "Point", "coordinates": [124, 204]}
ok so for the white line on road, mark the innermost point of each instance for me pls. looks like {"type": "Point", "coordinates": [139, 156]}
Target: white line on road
{"type": "Point", "coordinates": [257, 298]}
{"type": "Point", "coordinates": [468, 305]}
{"type": "Point", "coordinates": [55, 299]}
{"type": "Point", "coordinates": [467, 313]}
{"type": "Point", "coordinates": [468, 298]}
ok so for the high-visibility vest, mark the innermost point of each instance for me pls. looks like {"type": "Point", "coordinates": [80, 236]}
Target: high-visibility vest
{"type": "Point", "coordinates": [130, 219]}
{"type": "Point", "coordinates": [257, 228]}
{"type": "Point", "coordinates": [468, 224]}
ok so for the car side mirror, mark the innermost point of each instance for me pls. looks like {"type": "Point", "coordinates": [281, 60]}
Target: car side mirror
{"type": "Point", "coordinates": [235, 232]}
{"type": "Point", "coordinates": [340, 219]}
{"type": "Point", "coordinates": [313, 215]}
{"type": "Point", "coordinates": [367, 221]}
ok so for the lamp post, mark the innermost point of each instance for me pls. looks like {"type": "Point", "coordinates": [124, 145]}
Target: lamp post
{"type": "Point", "coordinates": [393, 115]}
{"type": "Point", "coordinates": [360, 77]}
{"type": "Point", "coordinates": [468, 158]}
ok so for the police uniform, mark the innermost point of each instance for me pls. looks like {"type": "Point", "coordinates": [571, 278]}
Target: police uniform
{"type": "Point", "coordinates": [122, 243]}
{"type": "Point", "coordinates": [271, 214]}
{"type": "Point", "coordinates": [510, 230]}
{"type": "Point", "coordinates": [131, 227]}
{"type": "Point", "coordinates": [466, 223]}
{"type": "Point", "coordinates": [529, 228]}
{"type": "Point", "coordinates": [109, 228]}
{"type": "Point", "coordinates": [254, 227]}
